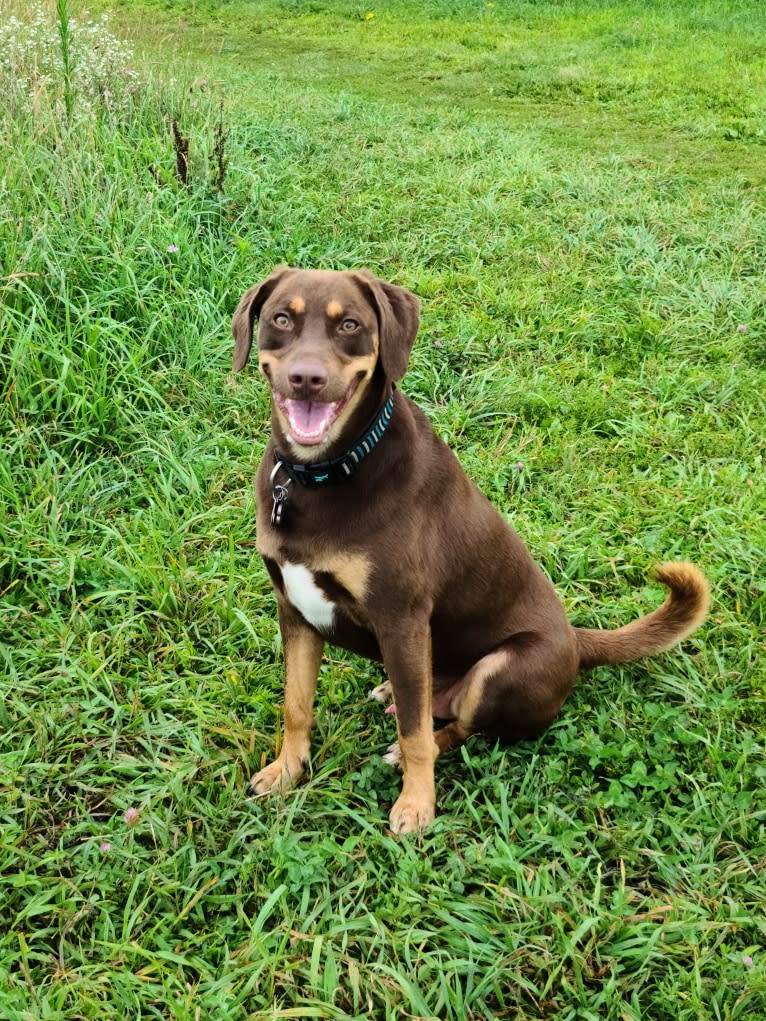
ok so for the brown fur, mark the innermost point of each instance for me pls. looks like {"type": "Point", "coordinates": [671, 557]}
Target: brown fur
{"type": "Point", "coordinates": [423, 572]}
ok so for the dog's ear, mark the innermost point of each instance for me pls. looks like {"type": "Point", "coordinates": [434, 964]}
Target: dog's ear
{"type": "Point", "coordinates": [244, 316]}
{"type": "Point", "coordinates": [398, 319]}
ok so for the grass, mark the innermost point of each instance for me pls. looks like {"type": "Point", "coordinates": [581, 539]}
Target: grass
{"type": "Point", "coordinates": [588, 247]}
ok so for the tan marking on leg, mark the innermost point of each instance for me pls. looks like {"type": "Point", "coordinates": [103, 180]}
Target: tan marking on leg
{"type": "Point", "coordinates": [405, 644]}
{"type": "Point", "coordinates": [334, 309]}
{"type": "Point", "coordinates": [416, 806]}
{"type": "Point", "coordinates": [297, 305]}
{"type": "Point", "coordinates": [303, 654]}
{"type": "Point", "coordinates": [467, 702]}
{"type": "Point", "coordinates": [451, 736]}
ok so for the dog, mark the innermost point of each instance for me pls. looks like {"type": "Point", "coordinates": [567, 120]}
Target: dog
{"type": "Point", "coordinates": [375, 540]}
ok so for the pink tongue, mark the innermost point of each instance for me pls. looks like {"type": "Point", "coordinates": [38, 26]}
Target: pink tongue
{"type": "Point", "coordinates": [309, 419]}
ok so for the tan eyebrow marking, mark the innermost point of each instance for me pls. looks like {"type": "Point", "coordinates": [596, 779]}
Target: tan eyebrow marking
{"type": "Point", "coordinates": [334, 309]}
{"type": "Point", "coordinates": [297, 305]}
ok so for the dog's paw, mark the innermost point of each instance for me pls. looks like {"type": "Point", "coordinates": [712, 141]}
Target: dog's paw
{"type": "Point", "coordinates": [382, 693]}
{"type": "Point", "coordinates": [409, 815]}
{"type": "Point", "coordinates": [394, 755]}
{"type": "Point", "coordinates": [275, 778]}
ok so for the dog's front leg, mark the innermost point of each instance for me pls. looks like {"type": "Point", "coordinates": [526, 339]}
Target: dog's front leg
{"type": "Point", "coordinates": [303, 653]}
{"type": "Point", "coordinates": [407, 658]}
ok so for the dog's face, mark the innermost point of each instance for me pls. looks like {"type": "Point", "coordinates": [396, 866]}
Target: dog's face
{"type": "Point", "coordinates": [322, 337]}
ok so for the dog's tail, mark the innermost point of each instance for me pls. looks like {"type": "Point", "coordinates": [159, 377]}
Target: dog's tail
{"type": "Point", "coordinates": [681, 613]}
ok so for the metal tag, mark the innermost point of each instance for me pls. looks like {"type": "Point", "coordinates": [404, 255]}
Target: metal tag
{"type": "Point", "coordinates": [280, 498]}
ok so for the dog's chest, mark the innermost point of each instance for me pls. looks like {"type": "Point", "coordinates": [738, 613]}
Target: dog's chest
{"type": "Point", "coordinates": [307, 597]}
{"type": "Point", "coordinates": [323, 586]}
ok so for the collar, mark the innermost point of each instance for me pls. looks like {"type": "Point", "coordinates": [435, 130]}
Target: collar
{"type": "Point", "coordinates": [338, 469]}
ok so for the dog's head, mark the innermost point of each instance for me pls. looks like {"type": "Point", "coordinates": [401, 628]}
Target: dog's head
{"type": "Point", "coordinates": [323, 338]}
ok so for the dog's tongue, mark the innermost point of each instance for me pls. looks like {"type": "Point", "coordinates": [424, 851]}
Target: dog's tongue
{"type": "Point", "coordinates": [310, 421]}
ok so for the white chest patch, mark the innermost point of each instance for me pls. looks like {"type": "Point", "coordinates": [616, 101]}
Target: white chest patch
{"type": "Point", "coordinates": [306, 596]}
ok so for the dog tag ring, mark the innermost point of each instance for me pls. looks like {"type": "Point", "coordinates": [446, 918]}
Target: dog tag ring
{"type": "Point", "coordinates": [280, 498]}
{"type": "Point", "coordinates": [279, 495]}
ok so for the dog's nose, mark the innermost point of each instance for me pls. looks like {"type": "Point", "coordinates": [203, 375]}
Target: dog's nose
{"type": "Point", "coordinates": [307, 378]}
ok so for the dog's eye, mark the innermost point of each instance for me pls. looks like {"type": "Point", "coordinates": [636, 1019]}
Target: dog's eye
{"type": "Point", "coordinates": [281, 319]}
{"type": "Point", "coordinates": [349, 325]}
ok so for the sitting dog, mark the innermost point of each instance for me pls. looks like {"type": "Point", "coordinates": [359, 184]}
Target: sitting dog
{"type": "Point", "coordinates": [375, 540]}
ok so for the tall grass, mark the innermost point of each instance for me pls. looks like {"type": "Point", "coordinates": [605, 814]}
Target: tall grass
{"type": "Point", "coordinates": [593, 348]}
{"type": "Point", "coordinates": [67, 68]}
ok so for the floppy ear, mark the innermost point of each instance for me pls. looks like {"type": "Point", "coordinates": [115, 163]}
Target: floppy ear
{"type": "Point", "coordinates": [249, 307]}
{"type": "Point", "coordinates": [398, 319]}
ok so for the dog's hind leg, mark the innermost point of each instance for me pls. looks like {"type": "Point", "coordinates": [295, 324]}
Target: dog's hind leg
{"type": "Point", "coordinates": [512, 693]}
{"type": "Point", "coordinates": [382, 692]}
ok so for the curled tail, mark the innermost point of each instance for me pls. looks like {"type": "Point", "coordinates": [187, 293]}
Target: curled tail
{"type": "Point", "coordinates": [681, 613]}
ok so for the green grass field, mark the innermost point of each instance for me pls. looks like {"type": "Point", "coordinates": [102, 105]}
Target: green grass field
{"type": "Point", "coordinates": [575, 191]}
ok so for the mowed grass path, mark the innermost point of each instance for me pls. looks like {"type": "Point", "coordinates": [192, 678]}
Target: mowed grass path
{"type": "Point", "coordinates": [575, 192]}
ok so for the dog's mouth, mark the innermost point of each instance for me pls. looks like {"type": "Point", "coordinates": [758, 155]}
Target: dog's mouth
{"type": "Point", "coordinates": [310, 421]}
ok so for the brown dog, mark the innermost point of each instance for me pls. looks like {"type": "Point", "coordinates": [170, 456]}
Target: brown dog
{"type": "Point", "coordinates": [375, 540]}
